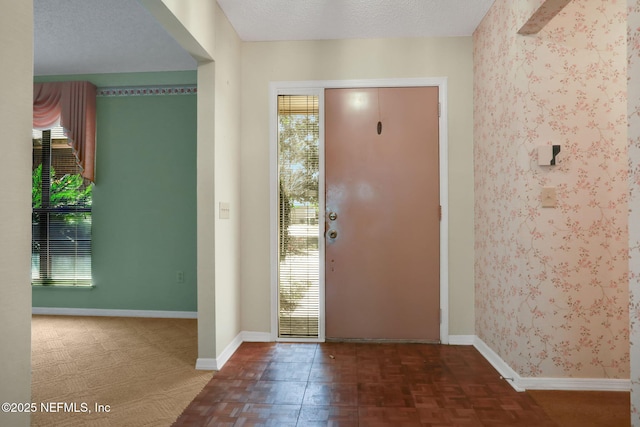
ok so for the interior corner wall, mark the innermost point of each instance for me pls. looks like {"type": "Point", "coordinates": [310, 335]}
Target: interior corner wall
{"type": "Point", "coordinates": [16, 107]}
{"type": "Point", "coordinates": [552, 283]}
{"type": "Point", "coordinates": [265, 62]}
{"type": "Point", "coordinates": [633, 73]}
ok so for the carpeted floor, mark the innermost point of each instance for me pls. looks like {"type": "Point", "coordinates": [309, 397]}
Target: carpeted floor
{"type": "Point", "coordinates": [143, 369]}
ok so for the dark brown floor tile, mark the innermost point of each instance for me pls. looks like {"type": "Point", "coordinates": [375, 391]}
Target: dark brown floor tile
{"type": "Point", "coordinates": [476, 390]}
{"type": "Point", "coordinates": [381, 353]}
{"type": "Point", "coordinates": [251, 370]}
{"type": "Point", "coordinates": [276, 392]}
{"type": "Point", "coordinates": [387, 394]}
{"type": "Point", "coordinates": [278, 371]}
{"type": "Point", "coordinates": [329, 357]}
{"type": "Point", "coordinates": [220, 389]}
{"type": "Point", "coordinates": [495, 417]}
{"type": "Point", "coordinates": [585, 408]}
{"type": "Point", "coordinates": [349, 384]}
{"type": "Point", "coordinates": [334, 416]}
{"type": "Point", "coordinates": [337, 349]}
{"type": "Point", "coordinates": [224, 414]}
{"type": "Point", "coordinates": [449, 417]}
{"type": "Point", "coordinates": [392, 417]}
{"type": "Point", "coordinates": [380, 372]}
{"type": "Point", "coordinates": [336, 372]}
{"type": "Point", "coordinates": [431, 396]}
{"type": "Point", "coordinates": [253, 414]}
{"type": "Point", "coordinates": [254, 351]}
{"type": "Point", "coordinates": [331, 394]}
{"type": "Point", "coordinates": [449, 389]}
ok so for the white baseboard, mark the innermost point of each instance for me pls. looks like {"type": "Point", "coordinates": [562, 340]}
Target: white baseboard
{"type": "Point", "coordinates": [536, 383]}
{"type": "Point", "coordinates": [575, 384]}
{"type": "Point", "coordinates": [206, 364]}
{"type": "Point", "coordinates": [209, 364]}
{"type": "Point", "coordinates": [500, 365]}
{"type": "Point", "coordinates": [100, 312]}
{"type": "Point", "coordinates": [228, 351]}
{"type": "Point", "coordinates": [461, 339]}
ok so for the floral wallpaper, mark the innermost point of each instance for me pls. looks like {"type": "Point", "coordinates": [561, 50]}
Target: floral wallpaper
{"type": "Point", "coordinates": [552, 283]}
{"type": "Point", "coordinates": [633, 72]}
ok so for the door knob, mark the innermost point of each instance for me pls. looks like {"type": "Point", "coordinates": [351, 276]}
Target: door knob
{"type": "Point", "coordinates": [332, 234]}
{"type": "Point", "coordinates": [333, 216]}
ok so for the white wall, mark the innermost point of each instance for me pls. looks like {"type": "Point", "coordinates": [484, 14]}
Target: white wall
{"type": "Point", "coordinates": [201, 28]}
{"type": "Point", "coordinates": [227, 175]}
{"type": "Point", "coordinates": [16, 87]}
{"type": "Point", "coordinates": [264, 62]}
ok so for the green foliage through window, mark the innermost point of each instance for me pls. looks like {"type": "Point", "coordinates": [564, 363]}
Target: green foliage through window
{"type": "Point", "coordinates": [68, 190]}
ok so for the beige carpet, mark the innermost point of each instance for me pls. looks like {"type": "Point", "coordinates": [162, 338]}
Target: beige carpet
{"type": "Point", "coordinates": [143, 369]}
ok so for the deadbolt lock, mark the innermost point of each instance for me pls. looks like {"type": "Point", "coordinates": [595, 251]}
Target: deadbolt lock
{"type": "Point", "coordinates": [332, 234]}
{"type": "Point", "coordinates": [333, 216]}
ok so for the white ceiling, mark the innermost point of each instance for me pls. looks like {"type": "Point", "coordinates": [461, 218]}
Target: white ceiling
{"type": "Point", "coordinates": [102, 36]}
{"type": "Point", "coordinates": [260, 20]}
{"type": "Point", "coordinates": [114, 36]}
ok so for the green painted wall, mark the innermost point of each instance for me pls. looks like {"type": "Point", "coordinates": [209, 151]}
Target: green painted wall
{"type": "Point", "coordinates": [144, 200]}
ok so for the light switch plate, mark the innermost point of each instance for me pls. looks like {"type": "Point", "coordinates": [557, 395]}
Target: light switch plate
{"type": "Point", "coordinates": [225, 210]}
{"type": "Point", "coordinates": [548, 196]}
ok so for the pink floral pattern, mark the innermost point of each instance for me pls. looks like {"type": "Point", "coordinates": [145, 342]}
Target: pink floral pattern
{"type": "Point", "coordinates": [633, 72]}
{"type": "Point", "coordinates": [552, 284]}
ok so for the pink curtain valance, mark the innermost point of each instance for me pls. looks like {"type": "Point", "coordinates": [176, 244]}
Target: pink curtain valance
{"type": "Point", "coordinates": [74, 105]}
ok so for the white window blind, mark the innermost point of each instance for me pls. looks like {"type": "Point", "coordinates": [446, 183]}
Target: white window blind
{"type": "Point", "coordinates": [61, 215]}
{"type": "Point", "coordinates": [298, 236]}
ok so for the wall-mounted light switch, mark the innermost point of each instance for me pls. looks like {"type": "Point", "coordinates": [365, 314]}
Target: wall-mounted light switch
{"type": "Point", "coordinates": [548, 196]}
{"type": "Point", "coordinates": [225, 210]}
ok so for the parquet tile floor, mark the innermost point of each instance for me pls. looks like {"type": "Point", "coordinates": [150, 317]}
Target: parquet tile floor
{"type": "Point", "coordinates": [359, 384]}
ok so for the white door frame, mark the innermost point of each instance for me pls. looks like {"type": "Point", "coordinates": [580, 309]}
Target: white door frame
{"type": "Point", "coordinates": [317, 88]}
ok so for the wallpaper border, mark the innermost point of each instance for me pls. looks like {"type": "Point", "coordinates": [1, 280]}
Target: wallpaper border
{"type": "Point", "coordinates": [156, 90]}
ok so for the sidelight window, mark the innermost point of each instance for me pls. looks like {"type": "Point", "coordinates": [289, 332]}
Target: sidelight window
{"type": "Point", "coordinates": [298, 213]}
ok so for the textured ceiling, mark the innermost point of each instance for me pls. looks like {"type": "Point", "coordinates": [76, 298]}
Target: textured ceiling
{"type": "Point", "coordinates": [102, 36]}
{"type": "Point", "coordinates": [115, 36]}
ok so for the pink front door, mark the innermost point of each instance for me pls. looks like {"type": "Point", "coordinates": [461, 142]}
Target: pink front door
{"type": "Point", "coordinates": [382, 256]}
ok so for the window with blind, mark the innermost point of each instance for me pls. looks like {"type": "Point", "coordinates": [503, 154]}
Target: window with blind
{"type": "Point", "coordinates": [61, 215]}
{"type": "Point", "coordinates": [298, 228]}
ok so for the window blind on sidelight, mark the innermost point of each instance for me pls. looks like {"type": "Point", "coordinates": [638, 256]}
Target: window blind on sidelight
{"type": "Point", "coordinates": [298, 227]}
